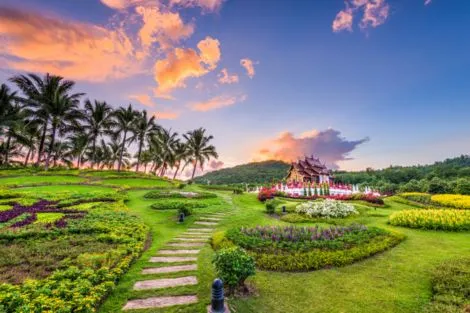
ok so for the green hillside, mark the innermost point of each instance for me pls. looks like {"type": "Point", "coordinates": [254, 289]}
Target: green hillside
{"type": "Point", "coordinates": [257, 172]}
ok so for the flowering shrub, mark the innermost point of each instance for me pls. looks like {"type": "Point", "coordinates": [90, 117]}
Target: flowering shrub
{"type": "Point", "coordinates": [173, 204]}
{"type": "Point", "coordinates": [265, 194]}
{"type": "Point", "coordinates": [347, 197]}
{"type": "Point", "coordinates": [308, 248]}
{"type": "Point", "coordinates": [234, 266]}
{"type": "Point", "coordinates": [452, 220]}
{"type": "Point", "coordinates": [454, 201]}
{"type": "Point", "coordinates": [327, 208]}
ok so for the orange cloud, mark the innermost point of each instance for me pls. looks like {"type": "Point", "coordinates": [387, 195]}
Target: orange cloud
{"type": "Point", "coordinates": [374, 14]}
{"type": "Point", "coordinates": [226, 78]}
{"type": "Point", "coordinates": [166, 28]}
{"type": "Point", "coordinates": [207, 5]}
{"type": "Point", "coordinates": [343, 21]}
{"type": "Point", "coordinates": [166, 115]}
{"type": "Point", "coordinates": [216, 103]}
{"type": "Point", "coordinates": [69, 48]}
{"type": "Point", "coordinates": [143, 99]}
{"type": "Point", "coordinates": [249, 67]}
{"type": "Point", "coordinates": [329, 145]}
{"type": "Point", "coordinates": [181, 64]}
{"type": "Point", "coordinates": [120, 4]}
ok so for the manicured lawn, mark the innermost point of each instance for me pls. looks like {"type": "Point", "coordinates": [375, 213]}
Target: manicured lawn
{"type": "Point", "coordinates": [73, 188]}
{"type": "Point", "coordinates": [137, 182]}
{"type": "Point", "coordinates": [32, 180]}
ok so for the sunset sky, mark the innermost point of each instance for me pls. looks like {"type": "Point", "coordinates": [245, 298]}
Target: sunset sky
{"type": "Point", "coordinates": [360, 83]}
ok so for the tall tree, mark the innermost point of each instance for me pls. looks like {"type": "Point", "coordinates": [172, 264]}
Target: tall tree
{"type": "Point", "coordinates": [64, 115]}
{"type": "Point", "coordinates": [144, 129]}
{"type": "Point", "coordinates": [164, 143]}
{"type": "Point", "coordinates": [199, 149]}
{"type": "Point", "coordinates": [40, 94]}
{"type": "Point", "coordinates": [78, 143]}
{"type": "Point", "coordinates": [98, 121]}
{"type": "Point", "coordinates": [180, 156]}
{"type": "Point", "coordinates": [125, 118]}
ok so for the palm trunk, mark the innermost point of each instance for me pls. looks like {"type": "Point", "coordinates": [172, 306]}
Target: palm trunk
{"type": "Point", "coordinates": [145, 168]}
{"type": "Point", "coordinates": [194, 170]}
{"type": "Point", "coordinates": [51, 146]}
{"type": "Point", "coordinates": [7, 150]}
{"type": "Point", "coordinates": [177, 169]}
{"type": "Point", "coordinates": [41, 143]}
{"type": "Point", "coordinates": [141, 143]}
{"type": "Point", "coordinates": [122, 151]}
{"type": "Point", "coordinates": [27, 156]}
{"type": "Point", "coordinates": [93, 153]}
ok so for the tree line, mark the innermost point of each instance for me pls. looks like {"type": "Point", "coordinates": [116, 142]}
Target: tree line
{"type": "Point", "coordinates": [45, 124]}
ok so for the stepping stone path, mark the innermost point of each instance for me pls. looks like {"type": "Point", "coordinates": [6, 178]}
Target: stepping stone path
{"type": "Point", "coordinates": [183, 249]}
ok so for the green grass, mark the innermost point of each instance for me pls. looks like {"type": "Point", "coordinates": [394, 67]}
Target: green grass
{"type": "Point", "coordinates": [36, 180]}
{"type": "Point", "coordinates": [48, 218]}
{"type": "Point", "coordinates": [137, 182]}
{"type": "Point", "coordinates": [67, 188]}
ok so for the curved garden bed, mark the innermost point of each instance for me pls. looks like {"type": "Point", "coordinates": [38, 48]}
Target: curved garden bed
{"type": "Point", "coordinates": [448, 220]}
{"type": "Point", "coordinates": [309, 248]}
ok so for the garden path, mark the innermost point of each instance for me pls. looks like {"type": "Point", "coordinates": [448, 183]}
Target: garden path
{"type": "Point", "coordinates": [178, 256]}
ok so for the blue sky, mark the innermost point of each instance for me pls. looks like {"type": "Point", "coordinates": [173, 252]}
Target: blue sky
{"type": "Point", "coordinates": [401, 79]}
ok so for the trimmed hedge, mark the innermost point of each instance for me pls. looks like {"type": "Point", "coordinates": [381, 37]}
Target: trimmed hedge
{"type": "Point", "coordinates": [170, 204]}
{"type": "Point", "coordinates": [317, 259]}
{"type": "Point", "coordinates": [159, 194]}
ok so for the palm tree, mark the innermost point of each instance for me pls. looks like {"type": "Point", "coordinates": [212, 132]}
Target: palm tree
{"type": "Point", "coordinates": [164, 143]}
{"type": "Point", "coordinates": [62, 153]}
{"type": "Point", "coordinates": [40, 94]}
{"type": "Point", "coordinates": [78, 143]}
{"type": "Point", "coordinates": [180, 156]}
{"type": "Point", "coordinates": [125, 119]}
{"type": "Point", "coordinates": [199, 149]}
{"type": "Point", "coordinates": [113, 152]}
{"type": "Point", "coordinates": [11, 120]}
{"type": "Point", "coordinates": [64, 115]}
{"type": "Point", "coordinates": [98, 121]}
{"type": "Point", "coordinates": [144, 129]}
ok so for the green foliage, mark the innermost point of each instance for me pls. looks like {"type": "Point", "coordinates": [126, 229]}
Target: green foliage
{"type": "Point", "coordinates": [451, 287]}
{"type": "Point", "coordinates": [234, 266]}
{"type": "Point", "coordinates": [48, 218]}
{"type": "Point", "coordinates": [318, 258]}
{"type": "Point", "coordinates": [271, 205]}
{"type": "Point", "coordinates": [172, 204]}
{"type": "Point", "coordinates": [462, 186]}
{"type": "Point", "coordinates": [251, 173]}
{"type": "Point", "coordinates": [220, 241]}
{"type": "Point", "coordinates": [186, 211]}
{"type": "Point", "coordinates": [161, 194]}
{"type": "Point", "coordinates": [417, 197]}
{"type": "Point", "coordinates": [234, 189]}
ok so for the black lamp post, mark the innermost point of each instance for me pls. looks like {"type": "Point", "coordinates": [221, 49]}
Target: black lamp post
{"type": "Point", "coordinates": [217, 303]}
{"type": "Point", "coordinates": [181, 218]}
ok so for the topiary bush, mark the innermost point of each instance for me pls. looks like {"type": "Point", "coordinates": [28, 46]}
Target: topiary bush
{"type": "Point", "coordinates": [234, 266]}
{"type": "Point", "coordinates": [173, 204]}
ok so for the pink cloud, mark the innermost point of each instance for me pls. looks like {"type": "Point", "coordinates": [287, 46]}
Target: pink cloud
{"type": "Point", "coordinates": [216, 103]}
{"type": "Point", "coordinates": [329, 145]}
{"type": "Point", "coordinates": [166, 115]}
{"type": "Point", "coordinates": [143, 99]}
{"type": "Point", "coordinates": [248, 65]}
{"type": "Point", "coordinates": [226, 78]}
{"type": "Point", "coordinates": [374, 14]}
{"type": "Point", "coordinates": [206, 5]}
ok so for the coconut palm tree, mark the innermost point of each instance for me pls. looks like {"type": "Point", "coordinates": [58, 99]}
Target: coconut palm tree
{"type": "Point", "coordinates": [199, 149]}
{"type": "Point", "coordinates": [144, 129]}
{"type": "Point", "coordinates": [78, 143]}
{"type": "Point", "coordinates": [180, 156]}
{"type": "Point", "coordinates": [98, 121]}
{"type": "Point", "coordinates": [8, 115]}
{"type": "Point", "coordinates": [164, 144]}
{"type": "Point", "coordinates": [40, 94]}
{"type": "Point", "coordinates": [64, 115]}
{"type": "Point", "coordinates": [125, 118]}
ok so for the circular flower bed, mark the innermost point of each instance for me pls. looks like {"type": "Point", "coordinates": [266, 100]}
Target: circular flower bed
{"type": "Point", "coordinates": [452, 220]}
{"type": "Point", "coordinates": [309, 248]}
{"type": "Point", "coordinates": [327, 209]}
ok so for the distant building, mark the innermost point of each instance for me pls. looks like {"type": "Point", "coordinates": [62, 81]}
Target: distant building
{"type": "Point", "coordinates": [309, 170]}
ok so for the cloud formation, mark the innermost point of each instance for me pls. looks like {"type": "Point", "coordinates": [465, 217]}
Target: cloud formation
{"type": "Point", "coordinates": [206, 5]}
{"type": "Point", "coordinates": [226, 78]}
{"type": "Point", "coordinates": [329, 145]}
{"type": "Point", "coordinates": [77, 50]}
{"type": "Point", "coordinates": [248, 65]}
{"type": "Point", "coordinates": [143, 99]}
{"type": "Point", "coordinates": [181, 64]}
{"type": "Point", "coordinates": [374, 13]}
{"type": "Point", "coordinates": [216, 103]}
{"type": "Point", "coordinates": [166, 114]}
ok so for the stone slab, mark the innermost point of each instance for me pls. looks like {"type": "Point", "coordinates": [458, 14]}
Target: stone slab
{"type": "Point", "coordinates": [186, 244]}
{"type": "Point", "coordinates": [207, 230]}
{"type": "Point", "coordinates": [205, 223]}
{"type": "Point", "coordinates": [159, 302]}
{"type": "Point", "coordinates": [169, 269]}
{"type": "Point", "coordinates": [216, 219]}
{"type": "Point", "coordinates": [168, 252]}
{"type": "Point", "coordinates": [191, 239]}
{"type": "Point", "coordinates": [172, 259]}
{"type": "Point", "coordinates": [165, 283]}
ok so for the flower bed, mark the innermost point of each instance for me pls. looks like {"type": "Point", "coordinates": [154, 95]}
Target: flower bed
{"type": "Point", "coordinates": [451, 220]}
{"type": "Point", "coordinates": [453, 201]}
{"type": "Point", "coordinates": [310, 248]}
{"type": "Point", "coordinates": [326, 209]}
{"type": "Point", "coordinates": [172, 204]}
{"type": "Point", "coordinates": [85, 252]}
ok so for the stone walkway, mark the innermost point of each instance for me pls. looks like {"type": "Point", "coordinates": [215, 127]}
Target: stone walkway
{"type": "Point", "coordinates": [183, 249]}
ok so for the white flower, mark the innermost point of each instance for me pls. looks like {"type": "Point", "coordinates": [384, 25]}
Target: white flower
{"type": "Point", "coordinates": [328, 208]}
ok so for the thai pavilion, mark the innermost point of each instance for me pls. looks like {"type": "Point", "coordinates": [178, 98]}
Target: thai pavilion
{"type": "Point", "coordinates": [309, 170]}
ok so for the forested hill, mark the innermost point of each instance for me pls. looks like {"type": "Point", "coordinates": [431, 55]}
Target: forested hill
{"type": "Point", "coordinates": [251, 173]}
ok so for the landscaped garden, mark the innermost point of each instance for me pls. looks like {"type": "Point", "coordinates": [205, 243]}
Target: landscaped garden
{"type": "Point", "coordinates": [80, 247]}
